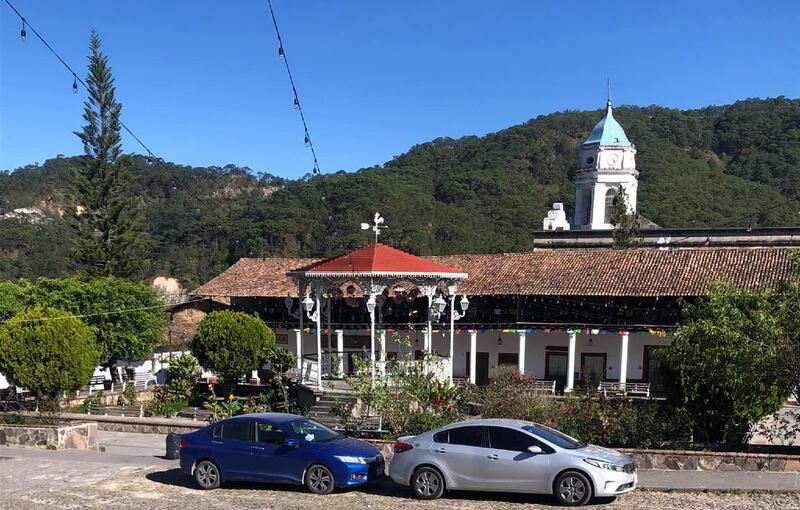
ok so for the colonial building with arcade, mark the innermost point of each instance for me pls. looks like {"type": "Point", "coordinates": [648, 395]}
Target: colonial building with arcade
{"type": "Point", "coordinates": [572, 312]}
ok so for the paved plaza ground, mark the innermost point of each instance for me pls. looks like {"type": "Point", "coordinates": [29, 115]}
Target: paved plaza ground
{"type": "Point", "coordinates": [130, 474]}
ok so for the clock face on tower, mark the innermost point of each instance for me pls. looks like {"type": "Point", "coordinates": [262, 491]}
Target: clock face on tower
{"type": "Point", "coordinates": [613, 160]}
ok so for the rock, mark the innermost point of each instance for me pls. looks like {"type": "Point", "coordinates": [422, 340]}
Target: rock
{"type": "Point", "coordinates": [644, 461]}
{"type": "Point", "coordinates": [776, 464]}
{"type": "Point", "coordinates": [726, 466]}
{"type": "Point", "coordinates": [792, 465]}
{"type": "Point", "coordinates": [752, 464]}
{"type": "Point", "coordinates": [708, 463]}
{"type": "Point", "coordinates": [690, 463]}
{"type": "Point", "coordinates": [658, 462]}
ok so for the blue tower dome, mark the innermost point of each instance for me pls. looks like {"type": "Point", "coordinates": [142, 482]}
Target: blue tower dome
{"type": "Point", "coordinates": [607, 132]}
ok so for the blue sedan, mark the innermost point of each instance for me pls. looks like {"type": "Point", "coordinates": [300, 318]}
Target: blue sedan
{"type": "Point", "coordinates": [279, 448]}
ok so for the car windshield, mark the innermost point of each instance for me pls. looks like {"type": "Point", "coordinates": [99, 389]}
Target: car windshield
{"type": "Point", "coordinates": [553, 436]}
{"type": "Point", "coordinates": [313, 432]}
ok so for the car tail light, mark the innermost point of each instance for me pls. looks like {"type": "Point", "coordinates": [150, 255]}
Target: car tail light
{"type": "Point", "coordinates": [184, 443]}
{"type": "Point", "coordinates": [400, 447]}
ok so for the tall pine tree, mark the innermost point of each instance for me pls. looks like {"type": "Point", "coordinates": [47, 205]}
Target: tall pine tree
{"type": "Point", "coordinates": [111, 240]}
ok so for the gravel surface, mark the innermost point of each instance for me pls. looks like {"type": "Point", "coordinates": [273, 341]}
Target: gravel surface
{"type": "Point", "coordinates": [160, 488]}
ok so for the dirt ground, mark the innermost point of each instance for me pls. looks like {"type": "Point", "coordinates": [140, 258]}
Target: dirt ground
{"type": "Point", "coordinates": [167, 488]}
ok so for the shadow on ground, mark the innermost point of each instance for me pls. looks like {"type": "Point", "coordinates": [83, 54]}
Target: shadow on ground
{"type": "Point", "coordinates": [383, 487]}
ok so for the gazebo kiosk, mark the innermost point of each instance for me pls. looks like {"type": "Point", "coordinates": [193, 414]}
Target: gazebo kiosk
{"type": "Point", "coordinates": [372, 269]}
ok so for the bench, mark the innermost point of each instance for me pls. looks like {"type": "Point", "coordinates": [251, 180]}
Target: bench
{"type": "Point", "coordinates": [628, 388]}
{"type": "Point", "coordinates": [97, 382]}
{"type": "Point", "coordinates": [545, 386]}
{"type": "Point", "coordinates": [142, 380]}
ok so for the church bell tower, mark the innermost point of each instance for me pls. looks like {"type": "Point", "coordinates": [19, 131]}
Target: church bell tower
{"type": "Point", "coordinates": [606, 164]}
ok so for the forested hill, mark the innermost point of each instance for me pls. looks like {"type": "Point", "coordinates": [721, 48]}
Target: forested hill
{"type": "Point", "coordinates": [703, 167]}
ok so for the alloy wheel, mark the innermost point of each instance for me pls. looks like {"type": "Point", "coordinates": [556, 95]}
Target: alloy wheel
{"type": "Point", "coordinates": [320, 480]}
{"type": "Point", "coordinates": [207, 475]}
{"type": "Point", "coordinates": [428, 484]}
{"type": "Point", "coordinates": [572, 489]}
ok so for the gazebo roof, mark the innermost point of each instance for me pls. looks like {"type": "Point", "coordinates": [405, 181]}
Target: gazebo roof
{"type": "Point", "coordinates": [378, 260]}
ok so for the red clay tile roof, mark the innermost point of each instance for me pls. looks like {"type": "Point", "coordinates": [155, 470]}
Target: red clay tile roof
{"type": "Point", "coordinates": [379, 259]}
{"type": "Point", "coordinates": [587, 272]}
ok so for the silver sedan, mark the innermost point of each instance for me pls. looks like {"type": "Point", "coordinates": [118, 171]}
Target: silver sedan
{"type": "Point", "coordinates": [509, 456]}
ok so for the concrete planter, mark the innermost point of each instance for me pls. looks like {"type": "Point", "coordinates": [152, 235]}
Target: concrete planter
{"type": "Point", "coordinates": [80, 436]}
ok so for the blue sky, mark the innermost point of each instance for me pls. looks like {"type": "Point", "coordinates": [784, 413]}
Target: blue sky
{"type": "Point", "coordinates": [201, 83]}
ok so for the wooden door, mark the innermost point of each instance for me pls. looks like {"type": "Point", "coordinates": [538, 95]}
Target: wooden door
{"type": "Point", "coordinates": [481, 368]}
{"type": "Point", "coordinates": [651, 369]}
{"type": "Point", "coordinates": [555, 368]}
{"type": "Point", "coordinates": [593, 369]}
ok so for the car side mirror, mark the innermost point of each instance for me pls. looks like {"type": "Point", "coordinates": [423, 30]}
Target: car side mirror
{"type": "Point", "coordinates": [290, 442]}
{"type": "Point", "coordinates": [535, 449]}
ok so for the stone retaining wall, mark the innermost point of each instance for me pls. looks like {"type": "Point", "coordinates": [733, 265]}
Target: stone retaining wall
{"type": "Point", "coordinates": [713, 461]}
{"type": "Point", "coordinates": [81, 436]}
{"type": "Point", "coordinates": [140, 425]}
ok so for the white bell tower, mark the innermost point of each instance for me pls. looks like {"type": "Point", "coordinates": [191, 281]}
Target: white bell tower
{"type": "Point", "coordinates": [606, 164]}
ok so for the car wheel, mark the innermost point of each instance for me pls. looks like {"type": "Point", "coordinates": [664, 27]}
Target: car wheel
{"type": "Point", "coordinates": [573, 489]}
{"type": "Point", "coordinates": [206, 474]}
{"type": "Point", "coordinates": [427, 483]}
{"type": "Point", "coordinates": [319, 479]}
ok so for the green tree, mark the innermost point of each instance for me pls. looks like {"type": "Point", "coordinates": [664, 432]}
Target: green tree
{"type": "Point", "coordinates": [47, 351]}
{"type": "Point", "coordinates": [111, 237]}
{"type": "Point", "coordinates": [130, 335]}
{"type": "Point", "coordinates": [626, 224]}
{"type": "Point", "coordinates": [788, 305]}
{"type": "Point", "coordinates": [724, 366]}
{"type": "Point", "coordinates": [231, 343]}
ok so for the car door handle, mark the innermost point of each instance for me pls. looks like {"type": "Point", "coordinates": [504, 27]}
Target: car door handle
{"type": "Point", "coordinates": [440, 450]}
{"type": "Point", "coordinates": [492, 456]}
{"type": "Point", "coordinates": [217, 442]}
{"type": "Point", "coordinates": [259, 448]}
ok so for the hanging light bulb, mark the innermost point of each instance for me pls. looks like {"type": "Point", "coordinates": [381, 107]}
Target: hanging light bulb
{"type": "Point", "coordinates": [74, 84]}
{"type": "Point", "coordinates": [22, 33]}
{"type": "Point", "coordinates": [296, 103]}
{"type": "Point", "coordinates": [281, 54]}
{"type": "Point", "coordinates": [307, 141]}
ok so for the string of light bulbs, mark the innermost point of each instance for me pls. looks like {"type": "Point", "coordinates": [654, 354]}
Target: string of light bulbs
{"type": "Point", "coordinates": [76, 80]}
{"type": "Point", "coordinates": [296, 103]}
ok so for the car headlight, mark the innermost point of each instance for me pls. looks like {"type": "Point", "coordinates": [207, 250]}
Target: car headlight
{"type": "Point", "coordinates": [604, 465]}
{"type": "Point", "coordinates": [351, 460]}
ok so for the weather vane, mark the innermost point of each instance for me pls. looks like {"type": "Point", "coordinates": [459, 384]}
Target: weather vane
{"type": "Point", "coordinates": [378, 225]}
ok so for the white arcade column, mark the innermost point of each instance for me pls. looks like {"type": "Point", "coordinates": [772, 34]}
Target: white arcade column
{"type": "Point", "coordinates": [571, 363]}
{"type": "Point", "coordinates": [298, 341]}
{"type": "Point", "coordinates": [522, 338]}
{"type": "Point", "coordinates": [473, 346]}
{"type": "Point", "coordinates": [340, 350]}
{"type": "Point", "coordinates": [383, 352]}
{"type": "Point", "coordinates": [623, 360]}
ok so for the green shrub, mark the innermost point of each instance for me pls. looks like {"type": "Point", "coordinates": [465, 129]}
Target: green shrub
{"type": "Point", "coordinates": [279, 359]}
{"type": "Point", "coordinates": [184, 366]}
{"type": "Point", "coordinates": [129, 394]}
{"type": "Point", "coordinates": [231, 343]}
{"type": "Point", "coordinates": [47, 351]}
{"type": "Point", "coordinates": [513, 396]}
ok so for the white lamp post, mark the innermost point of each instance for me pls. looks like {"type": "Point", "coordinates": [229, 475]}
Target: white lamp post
{"type": "Point", "coordinates": [298, 333]}
{"type": "Point", "coordinates": [308, 304]}
{"type": "Point", "coordinates": [454, 316]}
{"type": "Point", "coordinates": [371, 310]}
